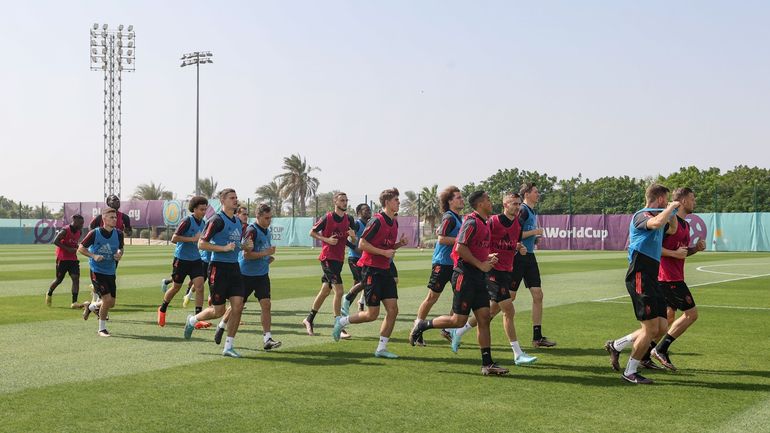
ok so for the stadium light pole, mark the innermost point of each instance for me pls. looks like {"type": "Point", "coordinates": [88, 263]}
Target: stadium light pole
{"type": "Point", "coordinates": [197, 58]}
{"type": "Point", "coordinates": [112, 52]}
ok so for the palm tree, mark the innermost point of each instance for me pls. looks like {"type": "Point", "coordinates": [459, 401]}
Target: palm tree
{"type": "Point", "coordinates": [151, 192]}
{"type": "Point", "coordinates": [429, 206]}
{"type": "Point", "coordinates": [208, 187]}
{"type": "Point", "coordinates": [409, 204]}
{"type": "Point", "coordinates": [296, 181]}
{"type": "Point", "coordinates": [271, 194]}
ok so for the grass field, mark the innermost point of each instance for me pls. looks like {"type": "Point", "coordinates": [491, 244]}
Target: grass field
{"type": "Point", "coordinates": [58, 376]}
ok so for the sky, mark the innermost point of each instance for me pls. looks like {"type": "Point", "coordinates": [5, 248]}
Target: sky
{"type": "Point", "coordinates": [381, 94]}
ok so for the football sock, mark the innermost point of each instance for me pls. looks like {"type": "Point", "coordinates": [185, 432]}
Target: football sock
{"type": "Point", "coordinates": [537, 332]}
{"type": "Point", "coordinates": [664, 343]}
{"type": "Point", "coordinates": [311, 315]}
{"type": "Point", "coordinates": [486, 356]}
{"type": "Point", "coordinates": [464, 329]}
{"type": "Point", "coordinates": [383, 345]}
{"type": "Point", "coordinates": [516, 349]}
{"type": "Point", "coordinates": [632, 366]}
{"type": "Point", "coordinates": [163, 307]}
{"type": "Point", "coordinates": [622, 342]}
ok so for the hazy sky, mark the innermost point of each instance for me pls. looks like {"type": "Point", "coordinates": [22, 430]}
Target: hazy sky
{"type": "Point", "coordinates": [380, 94]}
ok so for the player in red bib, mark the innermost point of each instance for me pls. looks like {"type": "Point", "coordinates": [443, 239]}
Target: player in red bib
{"type": "Point", "coordinates": [124, 222]}
{"type": "Point", "coordinates": [67, 262]}
{"type": "Point", "coordinates": [378, 243]}
{"type": "Point", "coordinates": [332, 230]}
{"type": "Point", "coordinates": [676, 248]}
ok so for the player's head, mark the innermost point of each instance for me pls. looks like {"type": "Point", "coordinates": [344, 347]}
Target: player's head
{"type": "Point", "coordinates": [451, 199]}
{"type": "Point", "coordinates": [389, 200]}
{"type": "Point", "coordinates": [243, 214]}
{"type": "Point", "coordinates": [656, 196]}
{"type": "Point", "coordinates": [364, 211]}
{"type": "Point", "coordinates": [109, 217]}
{"type": "Point", "coordinates": [229, 199]}
{"type": "Point", "coordinates": [529, 192]}
{"type": "Point", "coordinates": [77, 222]}
{"type": "Point", "coordinates": [264, 215]}
{"type": "Point", "coordinates": [480, 202]}
{"type": "Point", "coordinates": [512, 203]}
{"type": "Point", "coordinates": [341, 201]}
{"type": "Point", "coordinates": [113, 201]}
{"type": "Point", "coordinates": [198, 206]}
{"type": "Point", "coordinates": [686, 197]}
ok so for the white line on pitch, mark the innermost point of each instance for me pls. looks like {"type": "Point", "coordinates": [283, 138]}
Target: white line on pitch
{"type": "Point", "coordinates": [694, 285]}
{"type": "Point", "coordinates": [701, 268]}
{"type": "Point", "coordinates": [732, 307]}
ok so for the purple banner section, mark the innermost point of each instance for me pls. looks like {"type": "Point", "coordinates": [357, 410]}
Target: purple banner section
{"type": "Point", "coordinates": [584, 232]}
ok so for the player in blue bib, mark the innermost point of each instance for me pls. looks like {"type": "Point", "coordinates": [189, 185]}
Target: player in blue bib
{"type": "Point", "coordinates": [364, 213]}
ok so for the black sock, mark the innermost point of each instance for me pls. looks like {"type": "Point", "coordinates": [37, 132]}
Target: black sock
{"type": "Point", "coordinates": [198, 310]}
{"type": "Point", "coordinates": [486, 356]}
{"type": "Point", "coordinates": [537, 332]}
{"type": "Point", "coordinates": [50, 292]}
{"type": "Point", "coordinates": [167, 281]}
{"type": "Point", "coordinates": [311, 315]}
{"type": "Point", "coordinates": [74, 297]}
{"type": "Point", "coordinates": [163, 307]}
{"type": "Point", "coordinates": [664, 343]}
{"type": "Point", "coordinates": [351, 296]}
{"type": "Point", "coordinates": [646, 356]}
{"type": "Point", "coordinates": [422, 325]}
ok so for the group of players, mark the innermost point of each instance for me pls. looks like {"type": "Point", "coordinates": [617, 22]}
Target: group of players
{"type": "Point", "coordinates": [485, 257]}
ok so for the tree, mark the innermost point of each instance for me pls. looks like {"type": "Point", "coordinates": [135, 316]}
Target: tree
{"type": "Point", "coordinates": [409, 204]}
{"type": "Point", "coordinates": [208, 187]}
{"type": "Point", "coordinates": [429, 206]}
{"type": "Point", "coordinates": [271, 194]}
{"type": "Point", "coordinates": [151, 192]}
{"type": "Point", "coordinates": [296, 182]}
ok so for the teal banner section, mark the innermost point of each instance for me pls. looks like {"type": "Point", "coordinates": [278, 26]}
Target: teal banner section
{"type": "Point", "coordinates": [291, 232]}
{"type": "Point", "coordinates": [737, 231]}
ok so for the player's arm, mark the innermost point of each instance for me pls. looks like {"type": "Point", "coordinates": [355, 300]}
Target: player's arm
{"type": "Point", "coordinates": [87, 242]}
{"type": "Point", "coordinates": [447, 225]}
{"type": "Point", "coordinates": [700, 246]}
{"type": "Point", "coordinates": [95, 223]}
{"type": "Point", "coordinates": [119, 253]}
{"type": "Point", "coordinates": [318, 227]}
{"type": "Point", "coordinates": [664, 218]}
{"type": "Point", "coordinates": [467, 233]}
{"type": "Point", "coordinates": [365, 243]}
{"type": "Point", "coordinates": [214, 226]}
{"type": "Point", "coordinates": [523, 216]}
{"type": "Point", "coordinates": [58, 242]}
{"type": "Point", "coordinates": [178, 234]}
{"type": "Point", "coordinates": [351, 232]}
{"type": "Point", "coordinates": [127, 224]}
{"type": "Point", "coordinates": [679, 253]}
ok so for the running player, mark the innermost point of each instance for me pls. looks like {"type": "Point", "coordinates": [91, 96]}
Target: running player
{"type": "Point", "coordinates": [332, 229]}
{"type": "Point", "coordinates": [505, 242]}
{"type": "Point", "coordinates": [222, 236]}
{"type": "Point", "coordinates": [66, 242]}
{"type": "Point", "coordinates": [379, 244]}
{"type": "Point", "coordinates": [364, 213]}
{"type": "Point", "coordinates": [645, 238]}
{"type": "Point", "coordinates": [243, 216]}
{"type": "Point", "coordinates": [104, 248]}
{"type": "Point", "coordinates": [124, 221]}
{"type": "Point", "coordinates": [187, 259]}
{"type": "Point", "coordinates": [451, 203]}
{"type": "Point", "coordinates": [472, 263]}
{"type": "Point", "coordinates": [525, 267]}
{"type": "Point", "coordinates": [676, 248]}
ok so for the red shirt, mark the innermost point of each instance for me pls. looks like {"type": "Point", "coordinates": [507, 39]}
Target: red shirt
{"type": "Point", "coordinates": [503, 240]}
{"type": "Point", "coordinates": [381, 232]}
{"type": "Point", "coordinates": [474, 234]}
{"type": "Point", "coordinates": [672, 269]}
{"type": "Point", "coordinates": [71, 240]}
{"type": "Point", "coordinates": [328, 226]}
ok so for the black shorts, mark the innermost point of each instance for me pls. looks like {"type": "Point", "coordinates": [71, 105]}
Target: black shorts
{"type": "Point", "coordinates": [64, 267]}
{"type": "Point", "coordinates": [439, 276]}
{"type": "Point", "coordinates": [258, 285]}
{"type": "Point", "coordinates": [378, 285]}
{"type": "Point", "coordinates": [205, 269]}
{"type": "Point", "coordinates": [525, 268]}
{"type": "Point", "coordinates": [470, 291]}
{"type": "Point", "coordinates": [355, 269]}
{"type": "Point", "coordinates": [677, 295]}
{"type": "Point", "coordinates": [332, 270]}
{"type": "Point", "coordinates": [104, 284]}
{"type": "Point", "coordinates": [180, 269]}
{"type": "Point", "coordinates": [646, 296]}
{"type": "Point", "coordinates": [499, 284]}
{"type": "Point", "coordinates": [224, 281]}
{"type": "Point", "coordinates": [393, 270]}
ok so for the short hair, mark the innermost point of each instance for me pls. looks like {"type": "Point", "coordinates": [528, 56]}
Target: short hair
{"type": "Point", "coordinates": [224, 192]}
{"type": "Point", "coordinates": [77, 216]}
{"type": "Point", "coordinates": [263, 209]}
{"type": "Point", "coordinates": [107, 210]}
{"type": "Point", "coordinates": [338, 194]}
{"type": "Point", "coordinates": [655, 191]}
{"type": "Point", "coordinates": [197, 201]}
{"type": "Point", "coordinates": [360, 207]}
{"type": "Point", "coordinates": [526, 187]}
{"type": "Point", "coordinates": [681, 193]}
{"type": "Point", "coordinates": [508, 196]}
{"type": "Point", "coordinates": [241, 208]}
{"type": "Point", "coordinates": [475, 198]}
{"type": "Point", "coordinates": [110, 197]}
{"type": "Point", "coordinates": [388, 194]}
{"type": "Point", "coordinates": [445, 196]}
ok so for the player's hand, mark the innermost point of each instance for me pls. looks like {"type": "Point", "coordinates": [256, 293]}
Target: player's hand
{"type": "Point", "coordinates": [247, 244]}
{"type": "Point", "coordinates": [493, 258]}
{"type": "Point", "coordinates": [270, 251]}
{"type": "Point", "coordinates": [118, 256]}
{"type": "Point", "coordinates": [352, 233]}
{"type": "Point", "coordinates": [403, 241]}
{"type": "Point", "coordinates": [701, 245]}
{"type": "Point", "coordinates": [197, 237]}
{"type": "Point", "coordinates": [389, 253]}
{"type": "Point", "coordinates": [522, 249]}
{"type": "Point", "coordinates": [97, 257]}
{"type": "Point", "coordinates": [230, 247]}
{"type": "Point", "coordinates": [539, 231]}
{"type": "Point", "coordinates": [332, 240]}
{"type": "Point", "coordinates": [486, 266]}
{"type": "Point", "coordinates": [271, 259]}
{"type": "Point", "coordinates": [681, 253]}
{"type": "Point", "coordinates": [673, 205]}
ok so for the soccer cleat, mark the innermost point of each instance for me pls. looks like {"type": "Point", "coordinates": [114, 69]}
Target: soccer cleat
{"type": "Point", "coordinates": [185, 300]}
{"type": "Point", "coordinates": [163, 286]}
{"type": "Point", "coordinates": [345, 335]}
{"type": "Point", "coordinates": [663, 358]}
{"type": "Point", "coordinates": [104, 333]}
{"type": "Point", "coordinates": [524, 359]}
{"type": "Point", "coordinates": [650, 364]}
{"type": "Point", "coordinates": [637, 379]}
{"type": "Point", "coordinates": [76, 305]}
{"type": "Point", "coordinates": [86, 310]}
{"type": "Point", "coordinates": [421, 341]}
{"type": "Point", "coordinates": [493, 370]}
{"type": "Point", "coordinates": [48, 299]}
{"type": "Point", "coordinates": [456, 338]}
{"type": "Point", "coordinates": [161, 318]}
{"type": "Point", "coordinates": [415, 334]}
{"type": "Point", "coordinates": [614, 355]}
{"type": "Point", "coordinates": [337, 331]}
{"type": "Point", "coordinates": [271, 344]}
{"type": "Point", "coordinates": [447, 335]}
{"type": "Point", "coordinates": [385, 354]}
{"type": "Point", "coordinates": [231, 353]}
{"type": "Point", "coordinates": [308, 327]}
{"type": "Point", "coordinates": [345, 306]}
{"type": "Point", "coordinates": [202, 324]}
{"type": "Point", "coordinates": [218, 335]}
{"type": "Point", "coordinates": [543, 342]}
{"type": "Point", "coordinates": [188, 329]}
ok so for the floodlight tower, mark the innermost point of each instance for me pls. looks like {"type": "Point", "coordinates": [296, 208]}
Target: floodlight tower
{"type": "Point", "coordinates": [197, 58]}
{"type": "Point", "coordinates": [112, 52]}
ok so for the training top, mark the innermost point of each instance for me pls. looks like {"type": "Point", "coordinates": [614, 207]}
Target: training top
{"type": "Point", "coordinates": [70, 239]}
{"type": "Point", "coordinates": [672, 269]}
{"type": "Point", "coordinates": [450, 227]}
{"type": "Point", "coordinates": [188, 228]}
{"type": "Point", "coordinates": [381, 232]}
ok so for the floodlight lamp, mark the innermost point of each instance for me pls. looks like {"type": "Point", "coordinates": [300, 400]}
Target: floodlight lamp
{"type": "Point", "coordinates": [120, 27]}
{"type": "Point", "coordinates": [130, 27]}
{"type": "Point", "coordinates": [104, 50]}
{"type": "Point", "coordinates": [93, 59]}
{"type": "Point", "coordinates": [130, 52]}
{"type": "Point", "coordinates": [129, 61]}
{"type": "Point", "coordinates": [96, 26]}
{"type": "Point", "coordinates": [104, 27]}
{"type": "Point", "coordinates": [93, 51]}
{"type": "Point", "coordinates": [130, 36]}
{"type": "Point", "coordinates": [131, 44]}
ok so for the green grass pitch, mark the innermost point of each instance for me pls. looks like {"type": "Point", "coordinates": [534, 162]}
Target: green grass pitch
{"type": "Point", "coordinates": [57, 375]}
